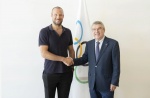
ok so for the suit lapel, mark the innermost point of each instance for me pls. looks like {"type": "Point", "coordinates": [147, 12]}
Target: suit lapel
{"type": "Point", "coordinates": [103, 48]}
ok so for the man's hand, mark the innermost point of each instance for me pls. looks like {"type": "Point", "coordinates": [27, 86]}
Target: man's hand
{"type": "Point", "coordinates": [68, 61]}
{"type": "Point", "coordinates": [112, 87]}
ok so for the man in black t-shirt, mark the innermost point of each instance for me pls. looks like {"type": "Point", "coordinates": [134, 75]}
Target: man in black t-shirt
{"type": "Point", "coordinates": [55, 42]}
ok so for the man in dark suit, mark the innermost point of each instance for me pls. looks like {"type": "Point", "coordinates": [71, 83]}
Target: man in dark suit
{"type": "Point", "coordinates": [103, 56]}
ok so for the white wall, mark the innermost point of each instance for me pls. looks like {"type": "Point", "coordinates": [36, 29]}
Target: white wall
{"type": "Point", "coordinates": [21, 20]}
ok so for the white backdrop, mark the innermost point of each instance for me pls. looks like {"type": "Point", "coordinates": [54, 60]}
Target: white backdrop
{"type": "Point", "coordinates": [21, 64]}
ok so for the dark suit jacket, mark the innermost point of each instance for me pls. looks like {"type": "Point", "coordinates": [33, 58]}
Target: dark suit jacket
{"type": "Point", "coordinates": [106, 70]}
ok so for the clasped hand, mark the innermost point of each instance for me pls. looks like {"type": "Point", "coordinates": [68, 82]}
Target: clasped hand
{"type": "Point", "coordinates": [68, 61]}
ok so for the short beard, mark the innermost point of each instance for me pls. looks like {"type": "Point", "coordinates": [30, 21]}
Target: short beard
{"type": "Point", "coordinates": [57, 24]}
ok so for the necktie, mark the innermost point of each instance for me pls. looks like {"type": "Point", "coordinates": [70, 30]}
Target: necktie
{"type": "Point", "coordinates": [97, 50]}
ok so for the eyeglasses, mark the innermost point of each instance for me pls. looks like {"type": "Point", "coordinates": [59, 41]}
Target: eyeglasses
{"type": "Point", "coordinates": [97, 29]}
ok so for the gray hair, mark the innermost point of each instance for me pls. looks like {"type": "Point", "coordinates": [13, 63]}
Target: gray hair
{"type": "Point", "coordinates": [99, 22]}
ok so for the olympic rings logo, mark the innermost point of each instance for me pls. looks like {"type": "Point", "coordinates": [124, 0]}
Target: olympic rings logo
{"type": "Point", "coordinates": [79, 49]}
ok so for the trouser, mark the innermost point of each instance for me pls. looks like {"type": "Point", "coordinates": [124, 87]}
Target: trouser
{"type": "Point", "coordinates": [61, 81]}
{"type": "Point", "coordinates": [99, 94]}
{"type": "Point", "coordinates": [95, 93]}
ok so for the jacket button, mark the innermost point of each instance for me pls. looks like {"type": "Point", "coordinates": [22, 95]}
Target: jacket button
{"type": "Point", "coordinates": [95, 66]}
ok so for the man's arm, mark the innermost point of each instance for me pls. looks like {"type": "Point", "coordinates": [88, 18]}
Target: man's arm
{"type": "Point", "coordinates": [116, 64]}
{"type": "Point", "coordinates": [71, 51]}
{"type": "Point", "coordinates": [71, 54]}
{"type": "Point", "coordinates": [79, 61]}
{"type": "Point", "coordinates": [48, 55]}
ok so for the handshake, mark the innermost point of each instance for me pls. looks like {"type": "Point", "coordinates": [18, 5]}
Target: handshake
{"type": "Point", "coordinates": [68, 61]}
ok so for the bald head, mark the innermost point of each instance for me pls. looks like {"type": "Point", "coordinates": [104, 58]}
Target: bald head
{"type": "Point", "coordinates": [57, 7]}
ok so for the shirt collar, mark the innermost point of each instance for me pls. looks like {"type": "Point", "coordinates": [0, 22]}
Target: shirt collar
{"type": "Point", "coordinates": [100, 41]}
{"type": "Point", "coordinates": [50, 28]}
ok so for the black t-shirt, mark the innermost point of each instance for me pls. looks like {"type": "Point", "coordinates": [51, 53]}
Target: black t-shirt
{"type": "Point", "coordinates": [57, 45]}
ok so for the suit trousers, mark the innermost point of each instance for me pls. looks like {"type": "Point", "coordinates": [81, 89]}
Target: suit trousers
{"type": "Point", "coordinates": [59, 81]}
{"type": "Point", "coordinates": [95, 93]}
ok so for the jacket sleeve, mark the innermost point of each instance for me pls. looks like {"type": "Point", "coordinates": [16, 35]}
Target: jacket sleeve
{"type": "Point", "coordinates": [82, 60]}
{"type": "Point", "coordinates": [116, 64]}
